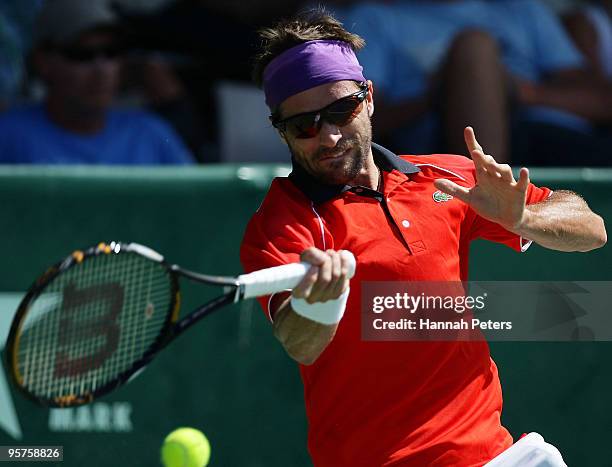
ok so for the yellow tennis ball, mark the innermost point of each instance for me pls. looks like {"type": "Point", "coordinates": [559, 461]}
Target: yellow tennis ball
{"type": "Point", "coordinates": [185, 447]}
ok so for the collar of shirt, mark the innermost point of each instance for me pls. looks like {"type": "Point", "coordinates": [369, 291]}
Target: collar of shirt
{"type": "Point", "coordinates": [320, 192]}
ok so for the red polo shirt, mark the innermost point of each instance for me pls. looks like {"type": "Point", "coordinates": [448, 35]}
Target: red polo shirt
{"type": "Point", "coordinates": [390, 403]}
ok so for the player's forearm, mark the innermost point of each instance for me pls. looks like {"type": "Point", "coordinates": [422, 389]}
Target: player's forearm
{"type": "Point", "coordinates": [564, 222]}
{"type": "Point", "coordinates": [303, 339]}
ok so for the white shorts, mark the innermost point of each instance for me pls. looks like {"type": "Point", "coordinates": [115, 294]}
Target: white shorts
{"type": "Point", "coordinates": [529, 451]}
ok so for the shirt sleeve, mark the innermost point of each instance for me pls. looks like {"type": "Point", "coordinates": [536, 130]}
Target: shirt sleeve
{"type": "Point", "coordinates": [488, 230]}
{"type": "Point", "coordinates": [277, 234]}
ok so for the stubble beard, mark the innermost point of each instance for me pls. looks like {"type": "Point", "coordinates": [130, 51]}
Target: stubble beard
{"type": "Point", "coordinates": [345, 170]}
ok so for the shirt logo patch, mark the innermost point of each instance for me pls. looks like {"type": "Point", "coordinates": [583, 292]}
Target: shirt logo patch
{"type": "Point", "coordinates": [440, 197]}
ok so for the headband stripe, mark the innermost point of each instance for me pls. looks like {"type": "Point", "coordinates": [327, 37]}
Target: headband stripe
{"type": "Point", "coordinates": [309, 65]}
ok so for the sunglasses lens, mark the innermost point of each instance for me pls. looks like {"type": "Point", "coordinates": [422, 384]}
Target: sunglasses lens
{"type": "Point", "coordinates": [339, 113]}
{"type": "Point", "coordinates": [343, 111]}
{"type": "Point", "coordinates": [304, 126]}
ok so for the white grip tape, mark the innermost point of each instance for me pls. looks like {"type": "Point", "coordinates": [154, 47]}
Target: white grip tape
{"type": "Point", "coordinates": [272, 280]}
{"type": "Point", "coordinates": [329, 312]}
{"type": "Point", "coordinates": [279, 278]}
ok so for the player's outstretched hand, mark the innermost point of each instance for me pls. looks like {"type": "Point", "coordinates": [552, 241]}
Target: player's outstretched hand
{"type": "Point", "coordinates": [497, 196]}
{"type": "Point", "coordinates": [326, 279]}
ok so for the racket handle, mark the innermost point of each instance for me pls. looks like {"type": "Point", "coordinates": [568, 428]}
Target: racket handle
{"type": "Point", "coordinates": [279, 278]}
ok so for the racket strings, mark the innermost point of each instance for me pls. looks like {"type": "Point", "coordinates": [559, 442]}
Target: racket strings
{"type": "Point", "coordinates": [91, 323]}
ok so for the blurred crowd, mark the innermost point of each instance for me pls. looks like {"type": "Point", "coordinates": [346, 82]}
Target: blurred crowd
{"type": "Point", "coordinates": [135, 82]}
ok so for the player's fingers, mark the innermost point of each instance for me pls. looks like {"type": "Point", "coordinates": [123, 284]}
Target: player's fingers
{"type": "Point", "coordinates": [348, 263]}
{"type": "Point", "coordinates": [313, 256]}
{"type": "Point", "coordinates": [489, 162]}
{"type": "Point", "coordinates": [451, 188]}
{"type": "Point", "coordinates": [499, 171]}
{"type": "Point", "coordinates": [523, 181]}
{"type": "Point", "coordinates": [339, 279]}
{"type": "Point", "coordinates": [336, 266]}
{"type": "Point", "coordinates": [326, 274]}
{"type": "Point", "coordinates": [487, 166]}
{"type": "Point", "coordinates": [470, 139]}
{"type": "Point", "coordinates": [317, 293]}
{"type": "Point", "coordinates": [480, 162]}
{"type": "Point", "coordinates": [304, 288]}
{"type": "Point", "coordinates": [330, 291]}
{"type": "Point", "coordinates": [506, 172]}
{"type": "Point", "coordinates": [339, 288]}
{"type": "Point", "coordinates": [327, 290]}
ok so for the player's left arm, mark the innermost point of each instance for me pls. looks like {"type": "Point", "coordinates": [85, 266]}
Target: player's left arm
{"type": "Point", "coordinates": [563, 222]}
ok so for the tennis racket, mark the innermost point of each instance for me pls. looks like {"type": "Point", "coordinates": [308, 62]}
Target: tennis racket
{"type": "Point", "coordinates": [93, 320]}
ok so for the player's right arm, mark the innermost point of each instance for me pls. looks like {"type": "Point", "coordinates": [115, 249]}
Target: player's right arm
{"type": "Point", "coordinates": [303, 338]}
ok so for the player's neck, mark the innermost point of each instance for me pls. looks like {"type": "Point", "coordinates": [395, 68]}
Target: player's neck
{"type": "Point", "coordinates": [370, 175]}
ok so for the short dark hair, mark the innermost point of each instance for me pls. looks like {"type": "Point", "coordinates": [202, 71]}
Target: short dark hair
{"type": "Point", "coordinates": [308, 25]}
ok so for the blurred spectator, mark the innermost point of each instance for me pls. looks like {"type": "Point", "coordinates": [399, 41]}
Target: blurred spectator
{"type": "Point", "coordinates": [499, 66]}
{"type": "Point", "coordinates": [195, 45]}
{"type": "Point", "coordinates": [591, 29]}
{"type": "Point", "coordinates": [77, 54]}
{"type": "Point", "coordinates": [16, 18]}
{"type": "Point", "coordinates": [152, 80]}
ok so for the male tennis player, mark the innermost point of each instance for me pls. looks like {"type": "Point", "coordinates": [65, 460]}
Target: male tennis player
{"type": "Point", "coordinates": [386, 403]}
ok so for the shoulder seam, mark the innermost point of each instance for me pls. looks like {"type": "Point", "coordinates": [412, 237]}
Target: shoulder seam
{"type": "Point", "coordinates": [443, 169]}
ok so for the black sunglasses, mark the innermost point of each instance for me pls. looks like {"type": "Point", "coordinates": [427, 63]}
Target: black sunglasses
{"type": "Point", "coordinates": [339, 113]}
{"type": "Point", "coordinates": [89, 54]}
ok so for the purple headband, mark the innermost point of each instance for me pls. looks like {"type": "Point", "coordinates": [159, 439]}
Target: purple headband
{"type": "Point", "coordinates": [308, 65]}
